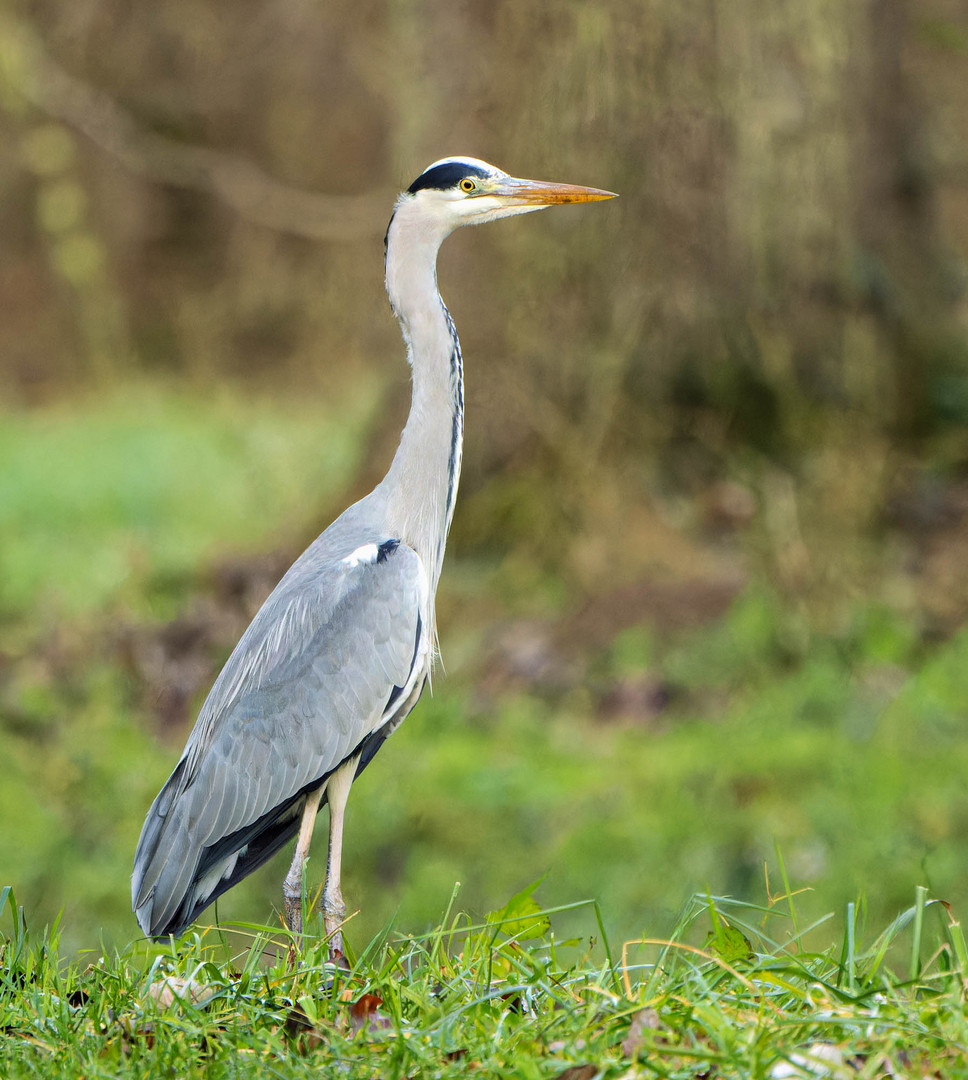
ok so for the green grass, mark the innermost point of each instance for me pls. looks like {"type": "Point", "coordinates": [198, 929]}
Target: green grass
{"type": "Point", "coordinates": [844, 747]}
{"type": "Point", "coordinates": [858, 786]}
{"type": "Point", "coordinates": [148, 482]}
{"type": "Point", "coordinates": [111, 509]}
{"type": "Point", "coordinates": [733, 992]}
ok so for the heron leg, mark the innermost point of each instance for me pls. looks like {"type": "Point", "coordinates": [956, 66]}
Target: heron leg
{"type": "Point", "coordinates": [292, 886]}
{"type": "Point", "coordinates": [334, 910]}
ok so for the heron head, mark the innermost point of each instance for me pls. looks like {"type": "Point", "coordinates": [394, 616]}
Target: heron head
{"type": "Point", "coordinates": [466, 191]}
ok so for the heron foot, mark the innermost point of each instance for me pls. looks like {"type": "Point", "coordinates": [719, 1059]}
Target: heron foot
{"type": "Point", "coordinates": [292, 905]}
{"type": "Point", "coordinates": [334, 912]}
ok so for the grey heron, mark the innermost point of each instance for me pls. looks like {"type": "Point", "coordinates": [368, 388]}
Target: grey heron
{"type": "Point", "coordinates": [339, 653]}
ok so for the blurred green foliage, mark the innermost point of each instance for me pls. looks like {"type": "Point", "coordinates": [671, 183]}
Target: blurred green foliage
{"type": "Point", "coordinates": [745, 379]}
{"type": "Point", "coordinates": [844, 749]}
{"type": "Point", "coordinates": [147, 480]}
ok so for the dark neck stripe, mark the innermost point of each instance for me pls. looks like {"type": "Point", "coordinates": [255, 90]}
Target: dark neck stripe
{"type": "Point", "coordinates": [457, 429]}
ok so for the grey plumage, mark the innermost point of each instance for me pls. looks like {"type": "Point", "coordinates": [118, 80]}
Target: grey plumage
{"type": "Point", "coordinates": [339, 653]}
{"type": "Point", "coordinates": [335, 639]}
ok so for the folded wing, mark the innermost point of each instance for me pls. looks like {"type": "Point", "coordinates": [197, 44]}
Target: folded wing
{"type": "Point", "coordinates": [333, 661]}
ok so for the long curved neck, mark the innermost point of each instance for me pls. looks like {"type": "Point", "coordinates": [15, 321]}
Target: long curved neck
{"type": "Point", "coordinates": [421, 485]}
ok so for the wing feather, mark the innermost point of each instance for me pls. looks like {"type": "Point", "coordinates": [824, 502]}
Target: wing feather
{"type": "Point", "coordinates": [308, 682]}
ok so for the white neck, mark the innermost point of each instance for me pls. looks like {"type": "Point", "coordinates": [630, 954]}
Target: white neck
{"type": "Point", "coordinates": [421, 485]}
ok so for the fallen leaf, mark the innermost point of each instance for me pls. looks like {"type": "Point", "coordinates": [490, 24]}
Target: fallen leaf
{"type": "Point", "coordinates": [365, 1015]}
{"type": "Point", "coordinates": [579, 1072]}
{"type": "Point", "coordinates": [645, 1020]}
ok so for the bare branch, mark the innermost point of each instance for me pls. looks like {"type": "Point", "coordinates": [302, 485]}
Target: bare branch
{"type": "Point", "coordinates": [251, 192]}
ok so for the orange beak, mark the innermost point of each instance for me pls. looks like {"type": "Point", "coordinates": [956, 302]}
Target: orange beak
{"type": "Point", "coordinates": [542, 193]}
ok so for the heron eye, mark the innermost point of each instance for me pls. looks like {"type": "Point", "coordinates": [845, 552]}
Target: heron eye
{"type": "Point", "coordinates": [467, 184]}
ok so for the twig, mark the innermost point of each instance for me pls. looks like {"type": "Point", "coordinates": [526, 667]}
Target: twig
{"type": "Point", "coordinates": [27, 66]}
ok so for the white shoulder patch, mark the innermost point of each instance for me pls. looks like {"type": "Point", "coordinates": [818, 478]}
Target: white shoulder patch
{"type": "Point", "coordinates": [368, 553]}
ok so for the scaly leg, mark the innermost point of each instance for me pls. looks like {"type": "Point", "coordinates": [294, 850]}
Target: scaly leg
{"type": "Point", "coordinates": [334, 910]}
{"type": "Point", "coordinates": [292, 886]}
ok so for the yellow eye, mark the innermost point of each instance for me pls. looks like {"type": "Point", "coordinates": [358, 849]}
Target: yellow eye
{"type": "Point", "coordinates": [467, 184]}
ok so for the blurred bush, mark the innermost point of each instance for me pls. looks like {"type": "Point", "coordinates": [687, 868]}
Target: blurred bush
{"type": "Point", "coordinates": [199, 192]}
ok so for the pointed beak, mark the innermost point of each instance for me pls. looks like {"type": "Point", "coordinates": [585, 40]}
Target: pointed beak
{"type": "Point", "coordinates": [537, 193]}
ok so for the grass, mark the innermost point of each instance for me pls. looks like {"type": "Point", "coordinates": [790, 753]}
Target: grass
{"type": "Point", "coordinates": [100, 499]}
{"type": "Point", "coordinates": [844, 746]}
{"type": "Point", "coordinates": [734, 991]}
{"type": "Point", "coordinates": [110, 508]}
{"type": "Point", "coordinates": [858, 784]}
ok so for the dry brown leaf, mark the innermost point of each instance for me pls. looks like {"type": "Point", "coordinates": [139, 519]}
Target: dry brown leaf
{"type": "Point", "coordinates": [579, 1072]}
{"type": "Point", "coordinates": [365, 1015]}
{"type": "Point", "coordinates": [645, 1020]}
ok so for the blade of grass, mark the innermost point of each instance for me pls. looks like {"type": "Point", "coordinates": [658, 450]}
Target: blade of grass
{"type": "Point", "coordinates": [957, 938]}
{"type": "Point", "coordinates": [849, 947]}
{"type": "Point", "coordinates": [920, 899]}
{"type": "Point", "coordinates": [616, 978]}
{"type": "Point", "coordinates": [788, 894]}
